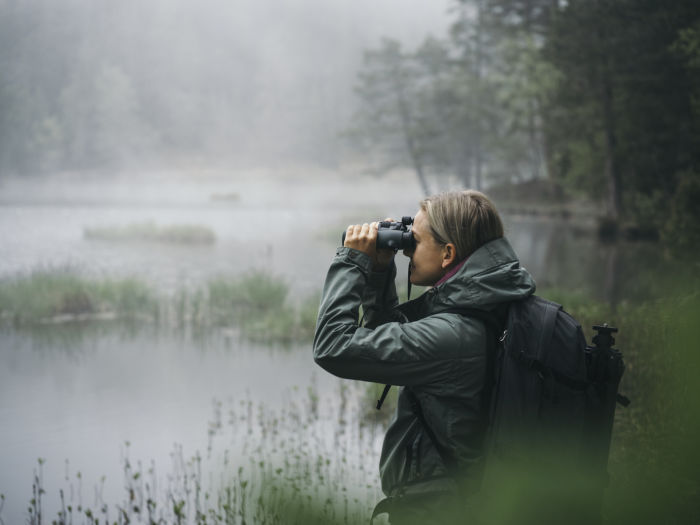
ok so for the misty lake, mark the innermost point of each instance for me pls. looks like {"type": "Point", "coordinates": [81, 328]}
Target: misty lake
{"type": "Point", "coordinates": [76, 394]}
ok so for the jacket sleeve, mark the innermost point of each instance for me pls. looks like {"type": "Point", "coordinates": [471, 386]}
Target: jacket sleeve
{"type": "Point", "coordinates": [394, 353]}
{"type": "Point", "coordinates": [379, 297]}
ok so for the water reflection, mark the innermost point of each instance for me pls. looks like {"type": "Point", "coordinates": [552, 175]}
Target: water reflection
{"type": "Point", "coordinates": [79, 393]}
{"type": "Point", "coordinates": [564, 257]}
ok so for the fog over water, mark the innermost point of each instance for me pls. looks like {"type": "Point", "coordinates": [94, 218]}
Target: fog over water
{"type": "Point", "coordinates": [98, 84]}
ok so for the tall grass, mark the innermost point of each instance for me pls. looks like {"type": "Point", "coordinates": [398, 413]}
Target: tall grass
{"type": "Point", "coordinates": [249, 299]}
{"type": "Point", "coordinates": [62, 293]}
{"type": "Point", "coordinates": [255, 305]}
{"type": "Point", "coordinates": [304, 464]}
{"type": "Point", "coordinates": [258, 304]}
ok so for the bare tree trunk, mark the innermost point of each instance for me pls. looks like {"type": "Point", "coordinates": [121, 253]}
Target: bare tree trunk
{"type": "Point", "coordinates": [612, 275]}
{"type": "Point", "coordinates": [464, 169]}
{"type": "Point", "coordinates": [549, 165]}
{"type": "Point", "coordinates": [477, 72]}
{"type": "Point", "coordinates": [417, 164]}
{"type": "Point", "coordinates": [477, 164]}
{"type": "Point", "coordinates": [535, 131]}
{"type": "Point", "coordinates": [612, 170]}
{"type": "Point", "coordinates": [408, 138]}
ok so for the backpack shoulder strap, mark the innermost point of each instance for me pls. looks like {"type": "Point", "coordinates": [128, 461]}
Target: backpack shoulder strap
{"type": "Point", "coordinates": [549, 311]}
{"type": "Point", "coordinates": [491, 320]}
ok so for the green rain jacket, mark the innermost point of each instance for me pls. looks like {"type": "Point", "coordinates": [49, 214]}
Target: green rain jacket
{"type": "Point", "coordinates": [440, 356]}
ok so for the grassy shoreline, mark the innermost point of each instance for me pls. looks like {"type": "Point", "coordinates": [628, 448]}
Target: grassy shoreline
{"type": "Point", "coordinates": [255, 305]}
{"type": "Point", "coordinates": [151, 232]}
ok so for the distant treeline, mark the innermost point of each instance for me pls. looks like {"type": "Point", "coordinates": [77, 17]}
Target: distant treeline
{"type": "Point", "coordinates": [599, 96]}
{"type": "Point", "coordinates": [98, 84]}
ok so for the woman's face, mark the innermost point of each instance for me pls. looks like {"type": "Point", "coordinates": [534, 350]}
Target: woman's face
{"type": "Point", "coordinates": [428, 258]}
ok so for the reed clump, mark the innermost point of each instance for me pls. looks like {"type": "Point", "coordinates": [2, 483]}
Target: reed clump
{"type": "Point", "coordinates": [62, 294]}
{"type": "Point", "coordinates": [303, 464]}
{"type": "Point", "coordinates": [231, 196]}
{"type": "Point", "coordinates": [151, 232]}
{"type": "Point", "coordinates": [256, 305]}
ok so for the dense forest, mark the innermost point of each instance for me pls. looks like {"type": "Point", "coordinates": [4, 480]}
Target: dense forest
{"type": "Point", "coordinates": [599, 97]}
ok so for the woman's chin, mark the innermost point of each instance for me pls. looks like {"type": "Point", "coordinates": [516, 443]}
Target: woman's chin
{"type": "Point", "coordinates": [418, 282]}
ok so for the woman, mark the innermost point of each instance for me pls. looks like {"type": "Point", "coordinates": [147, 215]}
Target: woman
{"type": "Point", "coordinates": [433, 452]}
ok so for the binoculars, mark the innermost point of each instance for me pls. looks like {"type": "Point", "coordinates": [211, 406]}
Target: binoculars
{"type": "Point", "coordinates": [393, 235]}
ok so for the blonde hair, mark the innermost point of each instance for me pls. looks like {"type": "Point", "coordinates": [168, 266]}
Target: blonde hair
{"type": "Point", "coordinates": [466, 218]}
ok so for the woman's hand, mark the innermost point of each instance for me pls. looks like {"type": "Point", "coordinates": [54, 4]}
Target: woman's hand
{"type": "Point", "coordinates": [363, 237]}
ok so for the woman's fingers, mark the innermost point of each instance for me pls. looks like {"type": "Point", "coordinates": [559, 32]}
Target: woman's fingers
{"type": "Point", "coordinates": [353, 230]}
{"type": "Point", "coordinates": [373, 231]}
{"type": "Point", "coordinates": [362, 237]}
{"type": "Point", "coordinates": [353, 233]}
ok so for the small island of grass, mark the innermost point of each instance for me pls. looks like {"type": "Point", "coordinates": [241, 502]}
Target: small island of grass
{"type": "Point", "coordinates": [151, 232]}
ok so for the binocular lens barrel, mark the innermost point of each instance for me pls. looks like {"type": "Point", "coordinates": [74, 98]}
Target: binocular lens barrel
{"type": "Point", "coordinates": [392, 240]}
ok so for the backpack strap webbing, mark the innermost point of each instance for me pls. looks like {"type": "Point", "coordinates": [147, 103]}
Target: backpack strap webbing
{"type": "Point", "coordinates": [380, 401]}
{"type": "Point", "coordinates": [491, 320]}
{"type": "Point", "coordinates": [549, 319]}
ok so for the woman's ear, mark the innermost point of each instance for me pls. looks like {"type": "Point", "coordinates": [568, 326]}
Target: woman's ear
{"type": "Point", "coordinates": [449, 255]}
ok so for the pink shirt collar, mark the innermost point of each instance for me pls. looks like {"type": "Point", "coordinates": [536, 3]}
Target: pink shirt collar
{"type": "Point", "coordinates": [451, 272]}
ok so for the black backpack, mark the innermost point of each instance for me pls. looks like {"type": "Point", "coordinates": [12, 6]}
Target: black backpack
{"type": "Point", "coordinates": [547, 380]}
{"type": "Point", "coordinates": [552, 399]}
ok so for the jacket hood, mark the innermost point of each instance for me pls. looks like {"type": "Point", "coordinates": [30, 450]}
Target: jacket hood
{"type": "Point", "coordinates": [491, 275]}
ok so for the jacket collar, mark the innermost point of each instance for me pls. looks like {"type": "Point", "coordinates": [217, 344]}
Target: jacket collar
{"type": "Point", "coordinates": [490, 276]}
